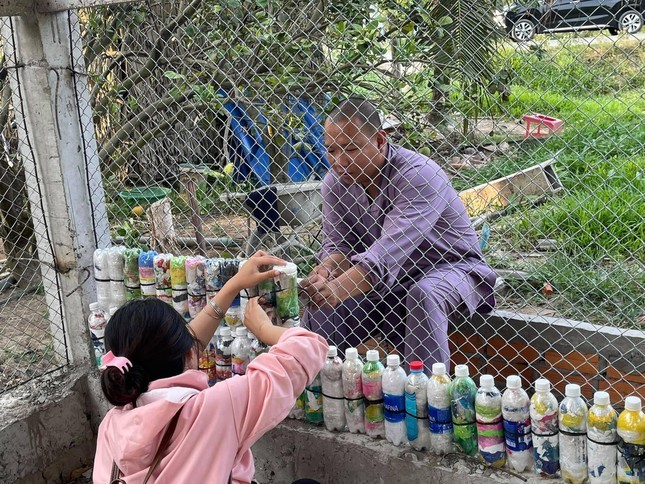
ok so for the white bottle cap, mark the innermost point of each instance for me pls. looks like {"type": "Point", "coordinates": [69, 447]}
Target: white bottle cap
{"type": "Point", "coordinates": [633, 403]}
{"type": "Point", "coordinates": [290, 268]}
{"type": "Point", "coordinates": [332, 352]}
{"type": "Point", "coordinates": [351, 354]}
{"type": "Point", "coordinates": [514, 382]}
{"type": "Point", "coordinates": [601, 398]}
{"type": "Point", "coordinates": [438, 369]}
{"type": "Point", "coordinates": [94, 306]}
{"type": "Point", "coordinates": [240, 331]}
{"type": "Point", "coordinates": [393, 360]}
{"type": "Point", "coordinates": [225, 331]}
{"type": "Point", "coordinates": [542, 385]}
{"type": "Point", "coordinates": [461, 370]}
{"type": "Point", "coordinates": [372, 355]}
{"type": "Point", "coordinates": [486, 381]}
{"type": "Point", "coordinates": [572, 390]}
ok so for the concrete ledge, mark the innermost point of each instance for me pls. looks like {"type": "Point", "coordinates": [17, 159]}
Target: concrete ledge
{"type": "Point", "coordinates": [45, 433]}
{"type": "Point", "coordinates": [295, 450]}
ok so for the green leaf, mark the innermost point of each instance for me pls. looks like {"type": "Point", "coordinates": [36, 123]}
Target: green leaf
{"type": "Point", "coordinates": [174, 75]}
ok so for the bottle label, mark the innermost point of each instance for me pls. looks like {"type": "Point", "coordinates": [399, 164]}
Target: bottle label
{"type": "Point", "coordinates": [394, 407]}
{"type": "Point", "coordinates": [440, 420]}
{"type": "Point", "coordinates": [518, 435]}
{"type": "Point", "coordinates": [411, 420]}
{"type": "Point", "coordinates": [314, 404]}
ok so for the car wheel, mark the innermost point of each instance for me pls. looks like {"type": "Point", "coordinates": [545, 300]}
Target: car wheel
{"type": "Point", "coordinates": [523, 30]}
{"type": "Point", "coordinates": [630, 22]}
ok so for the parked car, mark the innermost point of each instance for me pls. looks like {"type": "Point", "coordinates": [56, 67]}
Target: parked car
{"type": "Point", "coordinates": [522, 21]}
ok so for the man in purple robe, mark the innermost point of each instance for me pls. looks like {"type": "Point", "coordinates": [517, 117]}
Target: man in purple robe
{"type": "Point", "coordinates": [399, 255]}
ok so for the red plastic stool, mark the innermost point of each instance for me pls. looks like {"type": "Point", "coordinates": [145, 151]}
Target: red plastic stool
{"type": "Point", "coordinates": [554, 125]}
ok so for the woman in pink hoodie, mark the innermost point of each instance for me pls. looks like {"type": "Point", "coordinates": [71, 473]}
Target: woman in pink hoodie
{"type": "Point", "coordinates": [152, 377]}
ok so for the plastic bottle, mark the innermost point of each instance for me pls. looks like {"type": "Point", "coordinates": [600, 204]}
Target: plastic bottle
{"type": "Point", "coordinates": [240, 351]}
{"type": "Point", "coordinates": [313, 402]}
{"type": "Point", "coordinates": [462, 403]}
{"type": "Point", "coordinates": [544, 425]}
{"type": "Point", "coordinates": [517, 425]}
{"type": "Point", "coordinates": [573, 435]}
{"type": "Point", "coordinates": [352, 372]}
{"type": "Point", "coordinates": [394, 379]}
{"type": "Point", "coordinates": [601, 440]}
{"type": "Point", "coordinates": [298, 409]}
{"type": "Point", "coordinates": [490, 427]}
{"type": "Point", "coordinates": [332, 388]}
{"type": "Point", "coordinates": [439, 413]}
{"type": "Point", "coordinates": [115, 268]}
{"type": "Point", "coordinates": [223, 362]}
{"type": "Point", "coordinates": [102, 277]}
{"type": "Point", "coordinates": [373, 391]}
{"type": "Point", "coordinates": [257, 347]}
{"type": "Point", "coordinates": [416, 407]}
{"type": "Point", "coordinates": [631, 442]}
{"type": "Point", "coordinates": [96, 322]}
{"type": "Point", "coordinates": [147, 273]}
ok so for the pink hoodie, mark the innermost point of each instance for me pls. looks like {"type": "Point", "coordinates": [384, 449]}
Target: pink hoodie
{"type": "Point", "coordinates": [217, 425]}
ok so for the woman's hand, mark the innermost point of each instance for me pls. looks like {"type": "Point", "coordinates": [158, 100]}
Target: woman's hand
{"type": "Point", "coordinates": [250, 275]}
{"type": "Point", "coordinates": [258, 322]}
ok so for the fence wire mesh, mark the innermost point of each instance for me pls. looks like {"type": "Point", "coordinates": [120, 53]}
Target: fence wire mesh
{"type": "Point", "coordinates": [32, 337]}
{"type": "Point", "coordinates": [499, 146]}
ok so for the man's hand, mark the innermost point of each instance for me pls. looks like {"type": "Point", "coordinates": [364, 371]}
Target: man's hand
{"type": "Point", "coordinates": [323, 293]}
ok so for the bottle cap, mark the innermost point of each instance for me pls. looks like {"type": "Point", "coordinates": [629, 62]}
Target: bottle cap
{"type": "Point", "coordinates": [372, 355]}
{"type": "Point", "coordinates": [225, 331]}
{"type": "Point", "coordinates": [351, 354]}
{"type": "Point", "coordinates": [461, 370]}
{"type": "Point", "coordinates": [542, 385]}
{"type": "Point", "coordinates": [393, 360]}
{"type": "Point", "coordinates": [572, 390]}
{"type": "Point", "coordinates": [240, 331]}
{"type": "Point", "coordinates": [438, 369]}
{"type": "Point", "coordinates": [416, 366]}
{"type": "Point", "coordinates": [94, 306]}
{"type": "Point", "coordinates": [514, 382]}
{"type": "Point", "coordinates": [332, 352]}
{"type": "Point", "coordinates": [486, 381]}
{"type": "Point", "coordinates": [601, 398]}
{"type": "Point", "coordinates": [290, 268]}
{"type": "Point", "coordinates": [633, 403]}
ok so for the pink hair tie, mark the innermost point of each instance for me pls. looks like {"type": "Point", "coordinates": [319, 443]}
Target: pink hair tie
{"type": "Point", "coordinates": [120, 362]}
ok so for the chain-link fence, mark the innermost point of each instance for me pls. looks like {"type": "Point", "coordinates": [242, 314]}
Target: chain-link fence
{"type": "Point", "coordinates": [485, 156]}
{"type": "Point", "coordinates": [32, 336]}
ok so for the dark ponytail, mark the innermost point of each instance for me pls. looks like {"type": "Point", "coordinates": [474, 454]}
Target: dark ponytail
{"type": "Point", "coordinates": [154, 337]}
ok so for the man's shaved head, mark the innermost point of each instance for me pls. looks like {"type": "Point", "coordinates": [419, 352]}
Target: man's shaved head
{"type": "Point", "coordinates": [358, 110]}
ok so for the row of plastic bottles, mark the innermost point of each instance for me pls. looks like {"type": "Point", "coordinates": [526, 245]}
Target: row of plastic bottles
{"type": "Point", "coordinates": [509, 428]}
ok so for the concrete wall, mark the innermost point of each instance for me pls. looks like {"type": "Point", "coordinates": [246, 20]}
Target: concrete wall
{"type": "Point", "coordinates": [45, 431]}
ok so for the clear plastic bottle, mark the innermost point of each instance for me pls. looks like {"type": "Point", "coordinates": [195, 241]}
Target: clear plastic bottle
{"type": "Point", "coordinates": [490, 427]}
{"type": "Point", "coordinates": [223, 361]}
{"type": "Point", "coordinates": [353, 391]}
{"type": "Point", "coordinates": [96, 321]}
{"type": "Point", "coordinates": [240, 351]}
{"type": "Point", "coordinates": [573, 435]}
{"type": "Point", "coordinates": [373, 391]}
{"type": "Point", "coordinates": [257, 347]}
{"type": "Point", "coordinates": [394, 378]}
{"type": "Point", "coordinates": [631, 442]}
{"type": "Point", "coordinates": [313, 402]}
{"type": "Point", "coordinates": [102, 277]}
{"type": "Point", "coordinates": [544, 425]}
{"type": "Point", "coordinates": [416, 407]}
{"type": "Point", "coordinates": [439, 412]}
{"type": "Point", "coordinates": [332, 388]}
{"type": "Point", "coordinates": [462, 400]}
{"type": "Point", "coordinates": [517, 425]}
{"type": "Point", "coordinates": [601, 440]}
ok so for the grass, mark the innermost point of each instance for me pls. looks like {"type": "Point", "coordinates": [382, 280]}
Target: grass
{"type": "Point", "coordinates": [598, 223]}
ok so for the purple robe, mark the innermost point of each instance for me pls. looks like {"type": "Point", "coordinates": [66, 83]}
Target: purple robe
{"type": "Point", "coordinates": [417, 245]}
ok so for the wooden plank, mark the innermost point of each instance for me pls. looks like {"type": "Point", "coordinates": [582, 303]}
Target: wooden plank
{"type": "Point", "coordinates": [533, 182]}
